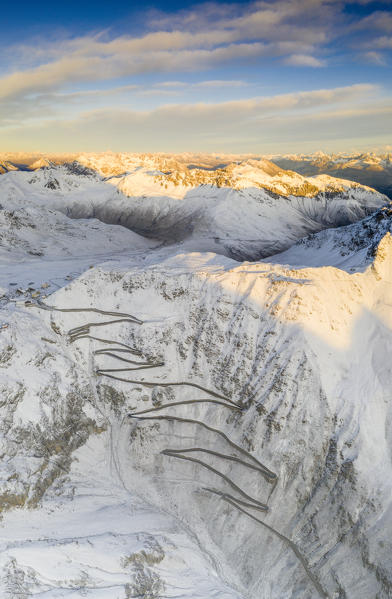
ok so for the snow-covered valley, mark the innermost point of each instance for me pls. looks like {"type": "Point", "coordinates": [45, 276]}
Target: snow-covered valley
{"type": "Point", "coordinates": [266, 473]}
{"type": "Point", "coordinates": [248, 211]}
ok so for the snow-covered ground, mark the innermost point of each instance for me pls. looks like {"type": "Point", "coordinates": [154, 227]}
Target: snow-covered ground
{"type": "Point", "coordinates": [91, 507]}
{"type": "Point", "coordinates": [91, 536]}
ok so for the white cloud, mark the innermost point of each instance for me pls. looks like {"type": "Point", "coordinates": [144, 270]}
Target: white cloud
{"type": "Point", "coordinates": [380, 20]}
{"type": "Point", "coordinates": [255, 107]}
{"type": "Point", "coordinates": [304, 60]}
{"type": "Point", "coordinates": [201, 84]}
{"type": "Point", "coordinates": [300, 20]}
{"type": "Point", "coordinates": [373, 57]}
{"type": "Point", "coordinates": [80, 67]}
{"type": "Point", "coordinates": [383, 43]}
{"type": "Point", "coordinates": [44, 79]}
{"type": "Point", "coordinates": [219, 83]}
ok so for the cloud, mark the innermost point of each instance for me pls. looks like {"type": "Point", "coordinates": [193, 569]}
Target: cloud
{"type": "Point", "coordinates": [193, 40]}
{"type": "Point", "coordinates": [379, 20]}
{"type": "Point", "coordinates": [45, 78]}
{"type": "Point", "coordinates": [241, 110]}
{"type": "Point", "coordinates": [13, 110]}
{"type": "Point", "coordinates": [202, 84]}
{"type": "Point", "coordinates": [304, 60]}
{"type": "Point", "coordinates": [187, 123]}
{"type": "Point", "coordinates": [80, 66]}
{"type": "Point", "coordinates": [294, 31]}
{"type": "Point", "coordinates": [278, 132]}
{"type": "Point", "coordinates": [383, 43]}
{"type": "Point", "coordinates": [373, 57]}
{"type": "Point", "coordinates": [76, 67]}
{"type": "Point", "coordinates": [307, 21]}
{"type": "Point", "coordinates": [219, 83]}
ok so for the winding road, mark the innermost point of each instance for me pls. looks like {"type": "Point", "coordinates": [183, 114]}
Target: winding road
{"type": "Point", "coordinates": [83, 332]}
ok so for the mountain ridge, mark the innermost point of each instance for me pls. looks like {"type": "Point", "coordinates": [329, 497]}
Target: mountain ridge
{"type": "Point", "coordinates": [138, 375]}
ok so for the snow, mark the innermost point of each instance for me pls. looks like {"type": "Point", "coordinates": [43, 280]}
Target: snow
{"type": "Point", "coordinates": [244, 223]}
{"type": "Point", "coordinates": [350, 248]}
{"type": "Point", "coordinates": [301, 339]}
{"type": "Point", "coordinates": [86, 537]}
{"type": "Point", "coordinates": [369, 168]}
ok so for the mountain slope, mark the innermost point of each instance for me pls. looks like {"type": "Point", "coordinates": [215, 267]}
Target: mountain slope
{"type": "Point", "coordinates": [243, 222]}
{"type": "Point", "coordinates": [351, 248]}
{"type": "Point", "coordinates": [292, 347]}
{"type": "Point", "coordinates": [178, 424]}
{"type": "Point", "coordinates": [368, 168]}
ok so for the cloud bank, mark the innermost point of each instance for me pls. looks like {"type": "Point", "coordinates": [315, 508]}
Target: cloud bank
{"type": "Point", "coordinates": [310, 118]}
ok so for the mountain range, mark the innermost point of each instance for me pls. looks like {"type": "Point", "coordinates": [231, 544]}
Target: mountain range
{"type": "Point", "coordinates": [369, 168]}
{"type": "Point", "coordinates": [195, 380]}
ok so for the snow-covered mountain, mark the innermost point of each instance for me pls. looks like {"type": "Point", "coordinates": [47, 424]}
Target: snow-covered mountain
{"type": "Point", "coordinates": [177, 423]}
{"type": "Point", "coordinates": [6, 166]}
{"type": "Point", "coordinates": [248, 211]}
{"type": "Point", "coordinates": [372, 169]}
{"type": "Point", "coordinates": [350, 248]}
{"type": "Point", "coordinates": [369, 168]}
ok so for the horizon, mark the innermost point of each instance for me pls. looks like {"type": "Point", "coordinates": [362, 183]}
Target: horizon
{"type": "Point", "coordinates": [377, 151]}
{"type": "Point", "coordinates": [195, 298]}
{"type": "Point", "coordinates": [264, 78]}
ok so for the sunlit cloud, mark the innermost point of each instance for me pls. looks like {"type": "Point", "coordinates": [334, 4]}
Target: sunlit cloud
{"type": "Point", "coordinates": [248, 54]}
{"type": "Point", "coordinates": [191, 42]}
{"type": "Point", "coordinates": [270, 21]}
{"type": "Point", "coordinates": [178, 126]}
{"type": "Point", "coordinates": [76, 68]}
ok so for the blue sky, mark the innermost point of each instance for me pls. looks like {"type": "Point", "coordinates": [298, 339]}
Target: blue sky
{"type": "Point", "coordinates": [265, 77]}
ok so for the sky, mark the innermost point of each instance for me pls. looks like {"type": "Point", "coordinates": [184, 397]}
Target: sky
{"type": "Point", "coordinates": [264, 77]}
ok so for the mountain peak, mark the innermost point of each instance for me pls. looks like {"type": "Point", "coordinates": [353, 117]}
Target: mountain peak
{"type": "Point", "coordinates": [382, 264]}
